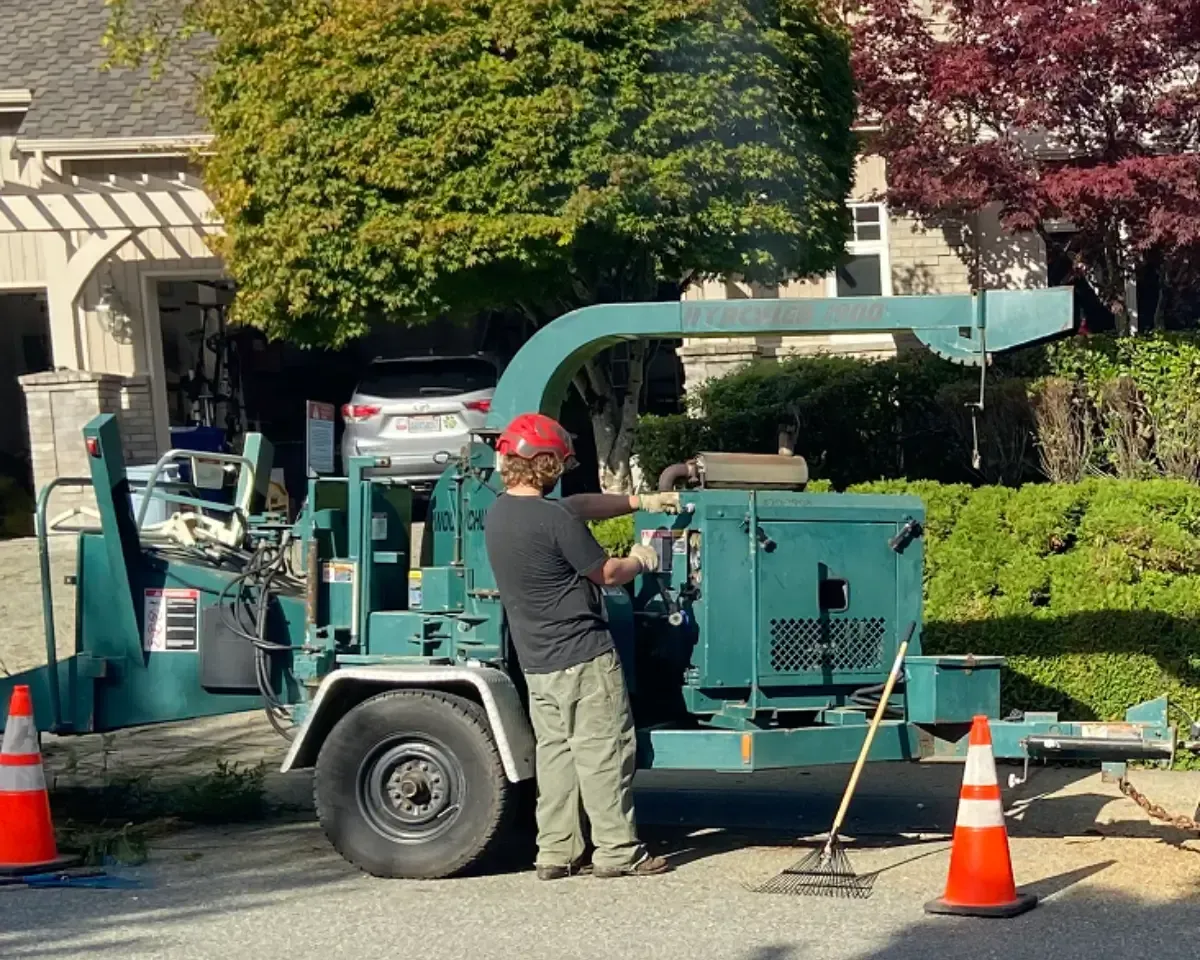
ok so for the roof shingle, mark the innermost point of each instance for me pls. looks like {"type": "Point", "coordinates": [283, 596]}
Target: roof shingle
{"type": "Point", "coordinates": [54, 50]}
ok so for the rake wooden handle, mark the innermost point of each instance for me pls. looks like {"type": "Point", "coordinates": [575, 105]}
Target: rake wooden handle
{"type": "Point", "coordinates": [866, 747]}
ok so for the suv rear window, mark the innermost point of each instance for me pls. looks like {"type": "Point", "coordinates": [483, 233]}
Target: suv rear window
{"type": "Point", "coordinates": [405, 379]}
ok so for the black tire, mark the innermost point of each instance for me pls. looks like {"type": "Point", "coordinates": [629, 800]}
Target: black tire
{"type": "Point", "coordinates": [410, 784]}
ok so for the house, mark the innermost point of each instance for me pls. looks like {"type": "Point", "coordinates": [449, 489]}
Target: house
{"type": "Point", "coordinates": [104, 231]}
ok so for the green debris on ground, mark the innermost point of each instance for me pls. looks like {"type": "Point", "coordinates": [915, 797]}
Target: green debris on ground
{"type": "Point", "coordinates": [118, 817]}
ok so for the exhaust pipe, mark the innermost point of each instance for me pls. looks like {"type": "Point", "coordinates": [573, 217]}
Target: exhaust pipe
{"type": "Point", "coordinates": [669, 479]}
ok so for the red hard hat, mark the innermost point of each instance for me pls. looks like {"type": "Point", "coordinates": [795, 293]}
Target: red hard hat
{"type": "Point", "coordinates": [532, 433]}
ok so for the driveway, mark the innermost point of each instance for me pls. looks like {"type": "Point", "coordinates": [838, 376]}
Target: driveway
{"type": "Point", "coordinates": [1113, 885]}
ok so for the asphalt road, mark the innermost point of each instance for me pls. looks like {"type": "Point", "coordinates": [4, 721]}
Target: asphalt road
{"type": "Point", "coordinates": [276, 892]}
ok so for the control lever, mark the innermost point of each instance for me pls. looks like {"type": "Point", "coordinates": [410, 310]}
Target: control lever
{"type": "Point", "coordinates": [663, 542]}
{"type": "Point", "coordinates": [760, 535]}
{"type": "Point", "coordinates": [674, 612]}
{"type": "Point", "coordinates": [907, 533]}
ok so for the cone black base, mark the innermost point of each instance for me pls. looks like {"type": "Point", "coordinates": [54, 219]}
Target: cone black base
{"type": "Point", "coordinates": [25, 869]}
{"type": "Point", "coordinates": [1024, 903]}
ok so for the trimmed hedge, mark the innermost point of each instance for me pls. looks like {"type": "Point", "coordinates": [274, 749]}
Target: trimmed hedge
{"type": "Point", "coordinates": [1092, 590]}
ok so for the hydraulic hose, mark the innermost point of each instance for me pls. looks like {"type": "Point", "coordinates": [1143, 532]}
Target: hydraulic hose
{"type": "Point", "coordinates": [259, 573]}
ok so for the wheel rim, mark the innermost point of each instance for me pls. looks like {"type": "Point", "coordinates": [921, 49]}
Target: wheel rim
{"type": "Point", "coordinates": [410, 789]}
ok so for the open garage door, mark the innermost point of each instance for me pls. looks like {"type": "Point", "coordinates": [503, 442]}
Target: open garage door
{"type": "Point", "coordinates": [24, 348]}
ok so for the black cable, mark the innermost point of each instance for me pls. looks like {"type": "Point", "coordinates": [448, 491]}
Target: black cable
{"type": "Point", "coordinates": [868, 698]}
{"type": "Point", "coordinates": [258, 574]}
{"type": "Point", "coordinates": [276, 711]}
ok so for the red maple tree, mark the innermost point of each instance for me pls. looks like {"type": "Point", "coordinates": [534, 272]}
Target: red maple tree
{"type": "Point", "coordinates": [1084, 111]}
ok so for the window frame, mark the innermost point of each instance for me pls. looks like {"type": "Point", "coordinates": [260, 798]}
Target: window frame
{"type": "Point", "coordinates": [867, 248]}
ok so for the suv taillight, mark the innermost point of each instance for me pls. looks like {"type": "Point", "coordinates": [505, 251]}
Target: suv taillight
{"type": "Point", "coordinates": [357, 412]}
{"type": "Point", "coordinates": [478, 406]}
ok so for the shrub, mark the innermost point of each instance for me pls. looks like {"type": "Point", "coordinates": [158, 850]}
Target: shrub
{"type": "Point", "coordinates": [1127, 407]}
{"type": "Point", "coordinates": [1092, 590]}
{"type": "Point", "coordinates": [1002, 433]}
{"type": "Point", "coordinates": [615, 536]}
{"type": "Point", "coordinates": [662, 441]}
{"type": "Point", "coordinates": [854, 420]}
{"type": "Point", "coordinates": [1064, 427]}
{"type": "Point", "coordinates": [1145, 394]}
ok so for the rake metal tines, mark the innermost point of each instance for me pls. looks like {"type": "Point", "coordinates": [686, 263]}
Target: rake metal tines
{"type": "Point", "coordinates": [823, 873]}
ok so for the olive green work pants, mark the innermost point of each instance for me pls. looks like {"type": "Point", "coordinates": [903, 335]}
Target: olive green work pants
{"type": "Point", "coordinates": [586, 752]}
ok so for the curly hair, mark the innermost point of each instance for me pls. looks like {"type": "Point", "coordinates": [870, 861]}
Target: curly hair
{"type": "Point", "coordinates": [541, 471]}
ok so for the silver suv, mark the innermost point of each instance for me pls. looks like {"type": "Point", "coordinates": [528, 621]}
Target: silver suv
{"type": "Point", "coordinates": [416, 410]}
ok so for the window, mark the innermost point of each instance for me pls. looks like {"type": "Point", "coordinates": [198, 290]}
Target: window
{"type": "Point", "coordinates": [866, 270]}
{"type": "Point", "coordinates": [427, 376]}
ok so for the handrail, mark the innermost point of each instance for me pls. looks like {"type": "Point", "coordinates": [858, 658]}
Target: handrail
{"type": "Point", "coordinates": [47, 596]}
{"type": "Point", "coordinates": [178, 454]}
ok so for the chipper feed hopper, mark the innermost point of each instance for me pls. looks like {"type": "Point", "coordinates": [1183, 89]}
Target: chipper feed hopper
{"type": "Point", "coordinates": [763, 642]}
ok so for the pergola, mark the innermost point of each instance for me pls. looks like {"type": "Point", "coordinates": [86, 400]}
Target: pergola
{"type": "Point", "coordinates": [78, 223]}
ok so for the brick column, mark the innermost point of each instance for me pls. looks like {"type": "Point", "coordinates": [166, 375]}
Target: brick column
{"type": "Point", "coordinates": [136, 416]}
{"type": "Point", "coordinates": [705, 359]}
{"type": "Point", "coordinates": [59, 404]}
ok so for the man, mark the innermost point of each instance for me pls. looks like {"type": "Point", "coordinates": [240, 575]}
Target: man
{"type": "Point", "coordinates": [549, 570]}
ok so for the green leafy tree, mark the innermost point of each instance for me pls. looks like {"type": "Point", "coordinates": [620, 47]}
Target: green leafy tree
{"type": "Point", "coordinates": [401, 160]}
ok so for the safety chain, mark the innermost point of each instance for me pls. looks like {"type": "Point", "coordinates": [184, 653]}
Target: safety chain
{"type": "Point", "coordinates": [1156, 811]}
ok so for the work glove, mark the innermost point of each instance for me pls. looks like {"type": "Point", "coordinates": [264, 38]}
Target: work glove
{"type": "Point", "coordinates": [659, 502]}
{"type": "Point", "coordinates": [646, 556]}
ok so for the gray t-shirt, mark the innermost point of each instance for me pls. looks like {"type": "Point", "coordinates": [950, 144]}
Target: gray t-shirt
{"type": "Point", "coordinates": [541, 554]}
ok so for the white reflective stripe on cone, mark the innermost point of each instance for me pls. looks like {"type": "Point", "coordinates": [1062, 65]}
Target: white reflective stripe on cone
{"type": "Point", "coordinates": [22, 779]}
{"type": "Point", "coordinates": [20, 736]}
{"type": "Point", "coordinates": [980, 813]}
{"type": "Point", "coordinates": [981, 767]}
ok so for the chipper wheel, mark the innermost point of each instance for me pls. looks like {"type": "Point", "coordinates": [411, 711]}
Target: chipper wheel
{"type": "Point", "coordinates": [410, 784]}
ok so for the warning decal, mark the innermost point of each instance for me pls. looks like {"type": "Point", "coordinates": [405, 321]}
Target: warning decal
{"type": "Point", "coordinates": [337, 571]}
{"type": "Point", "coordinates": [172, 620]}
{"type": "Point", "coordinates": [677, 537]}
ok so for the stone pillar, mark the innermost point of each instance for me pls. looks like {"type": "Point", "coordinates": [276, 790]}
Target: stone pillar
{"type": "Point", "coordinates": [705, 359]}
{"type": "Point", "coordinates": [59, 404]}
{"type": "Point", "coordinates": [136, 416]}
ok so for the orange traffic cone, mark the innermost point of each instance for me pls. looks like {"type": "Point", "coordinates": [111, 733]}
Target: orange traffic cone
{"type": "Point", "coordinates": [981, 876]}
{"type": "Point", "coordinates": [26, 831]}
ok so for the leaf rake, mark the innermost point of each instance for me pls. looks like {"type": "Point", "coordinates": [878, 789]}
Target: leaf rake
{"type": "Point", "coordinates": [827, 872]}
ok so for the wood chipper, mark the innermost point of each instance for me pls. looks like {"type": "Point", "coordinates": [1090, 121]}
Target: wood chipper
{"type": "Point", "coordinates": [762, 642]}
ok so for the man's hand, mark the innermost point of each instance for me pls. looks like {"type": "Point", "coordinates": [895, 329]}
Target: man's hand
{"type": "Point", "coordinates": [646, 556]}
{"type": "Point", "coordinates": [659, 502]}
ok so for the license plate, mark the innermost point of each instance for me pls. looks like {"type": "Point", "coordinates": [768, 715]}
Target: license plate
{"type": "Point", "coordinates": [423, 424]}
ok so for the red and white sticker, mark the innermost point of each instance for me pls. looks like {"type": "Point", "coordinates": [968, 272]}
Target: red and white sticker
{"type": "Point", "coordinates": [678, 544]}
{"type": "Point", "coordinates": [172, 620]}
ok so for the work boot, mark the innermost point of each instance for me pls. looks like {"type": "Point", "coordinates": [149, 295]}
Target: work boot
{"type": "Point", "coordinates": [557, 871]}
{"type": "Point", "coordinates": [643, 866]}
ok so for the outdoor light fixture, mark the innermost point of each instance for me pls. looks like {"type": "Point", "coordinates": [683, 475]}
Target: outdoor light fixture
{"type": "Point", "coordinates": [110, 309]}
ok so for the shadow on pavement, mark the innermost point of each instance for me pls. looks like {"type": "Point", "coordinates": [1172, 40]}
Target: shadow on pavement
{"type": "Point", "coordinates": [190, 876]}
{"type": "Point", "coordinates": [692, 817]}
{"type": "Point", "coordinates": [1105, 925]}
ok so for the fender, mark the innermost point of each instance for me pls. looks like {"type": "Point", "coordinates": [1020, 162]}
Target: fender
{"type": "Point", "coordinates": [495, 690]}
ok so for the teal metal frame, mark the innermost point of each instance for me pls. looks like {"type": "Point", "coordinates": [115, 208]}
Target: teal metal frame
{"type": "Point", "coordinates": [357, 609]}
{"type": "Point", "coordinates": [960, 327]}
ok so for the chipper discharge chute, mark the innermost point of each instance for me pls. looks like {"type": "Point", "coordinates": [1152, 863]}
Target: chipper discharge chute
{"type": "Point", "coordinates": [763, 641]}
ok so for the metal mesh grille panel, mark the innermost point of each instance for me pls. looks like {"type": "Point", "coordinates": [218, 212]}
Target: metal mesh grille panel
{"type": "Point", "coordinates": [801, 646]}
